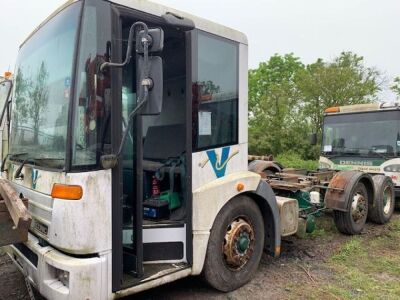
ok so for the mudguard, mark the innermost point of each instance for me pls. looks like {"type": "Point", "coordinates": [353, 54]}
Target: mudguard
{"type": "Point", "coordinates": [266, 200]}
{"type": "Point", "coordinates": [260, 166]}
{"type": "Point", "coordinates": [341, 188]}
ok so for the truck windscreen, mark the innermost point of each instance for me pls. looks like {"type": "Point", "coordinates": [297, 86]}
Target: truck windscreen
{"type": "Point", "coordinates": [41, 96]}
{"type": "Point", "coordinates": [362, 134]}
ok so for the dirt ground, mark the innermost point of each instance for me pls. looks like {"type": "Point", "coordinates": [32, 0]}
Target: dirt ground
{"type": "Point", "coordinates": [324, 265]}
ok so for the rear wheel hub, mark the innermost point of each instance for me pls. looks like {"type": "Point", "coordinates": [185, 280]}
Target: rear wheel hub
{"type": "Point", "coordinates": [243, 243]}
{"type": "Point", "coordinates": [358, 207]}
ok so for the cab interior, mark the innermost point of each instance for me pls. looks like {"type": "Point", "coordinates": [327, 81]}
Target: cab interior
{"type": "Point", "coordinates": [156, 149]}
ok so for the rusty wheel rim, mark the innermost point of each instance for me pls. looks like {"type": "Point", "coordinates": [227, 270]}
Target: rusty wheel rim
{"type": "Point", "coordinates": [358, 207]}
{"type": "Point", "coordinates": [239, 243]}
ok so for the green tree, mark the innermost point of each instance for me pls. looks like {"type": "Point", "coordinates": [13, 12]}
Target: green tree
{"type": "Point", "coordinates": [21, 98]}
{"type": "Point", "coordinates": [287, 99]}
{"type": "Point", "coordinates": [344, 81]}
{"type": "Point", "coordinates": [39, 95]}
{"type": "Point", "coordinates": [273, 109]}
{"type": "Point", "coordinates": [396, 86]}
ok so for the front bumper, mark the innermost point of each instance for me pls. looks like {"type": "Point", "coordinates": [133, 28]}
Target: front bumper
{"type": "Point", "coordinates": [87, 277]}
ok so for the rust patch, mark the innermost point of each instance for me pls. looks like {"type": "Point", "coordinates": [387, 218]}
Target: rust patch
{"type": "Point", "coordinates": [259, 167]}
{"type": "Point", "coordinates": [339, 189]}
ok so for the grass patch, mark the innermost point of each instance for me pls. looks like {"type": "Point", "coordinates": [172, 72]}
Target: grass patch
{"type": "Point", "coordinates": [369, 267]}
{"type": "Point", "coordinates": [349, 250]}
{"type": "Point", "coordinates": [325, 228]}
{"type": "Point", "coordinates": [320, 232]}
{"type": "Point", "coordinates": [364, 267]}
{"type": "Point", "coordinates": [292, 160]}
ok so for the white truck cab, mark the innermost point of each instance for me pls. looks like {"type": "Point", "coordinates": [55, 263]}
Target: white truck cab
{"type": "Point", "coordinates": [128, 137]}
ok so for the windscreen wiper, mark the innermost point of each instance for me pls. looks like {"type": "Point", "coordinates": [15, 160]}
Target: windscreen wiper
{"type": "Point", "coordinates": [337, 154]}
{"type": "Point", "coordinates": [381, 155]}
{"type": "Point", "coordinates": [11, 156]}
{"type": "Point", "coordinates": [18, 174]}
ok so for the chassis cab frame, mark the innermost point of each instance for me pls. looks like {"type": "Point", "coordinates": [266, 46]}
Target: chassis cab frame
{"type": "Point", "coordinates": [100, 246]}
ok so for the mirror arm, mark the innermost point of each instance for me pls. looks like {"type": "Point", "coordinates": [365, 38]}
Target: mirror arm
{"type": "Point", "coordinates": [147, 84]}
{"type": "Point", "coordinates": [129, 49]}
{"type": "Point", "coordinates": [130, 120]}
{"type": "Point", "coordinates": [145, 74]}
{"type": "Point", "coordinates": [109, 161]}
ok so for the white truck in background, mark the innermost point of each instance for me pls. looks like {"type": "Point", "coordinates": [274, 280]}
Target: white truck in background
{"type": "Point", "coordinates": [363, 137]}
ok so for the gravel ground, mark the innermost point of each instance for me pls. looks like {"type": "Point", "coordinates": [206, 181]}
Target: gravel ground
{"type": "Point", "coordinates": [303, 261]}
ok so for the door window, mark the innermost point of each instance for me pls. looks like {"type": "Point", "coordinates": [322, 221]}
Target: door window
{"type": "Point", "coordinates": [93, 93]}
{"type": "Point", "coordinates": [215, 93]}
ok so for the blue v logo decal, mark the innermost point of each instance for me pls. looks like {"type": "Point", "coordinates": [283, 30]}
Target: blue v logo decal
{"type": "Point", "coordinates": [219, 166]}
{"type": "Point", "coordinates": [35, 177]}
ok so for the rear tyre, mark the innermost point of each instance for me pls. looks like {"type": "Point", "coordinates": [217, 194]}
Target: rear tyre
{"type": "Point", "coordinates": [352, 222]}
{"type": "Point", "coordinates": [236, 245]}
{"type": "Point", "coordinates": [384, 203]}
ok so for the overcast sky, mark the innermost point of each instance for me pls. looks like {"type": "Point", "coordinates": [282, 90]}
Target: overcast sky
{"type": "Point", "coordinates": [308, 28]}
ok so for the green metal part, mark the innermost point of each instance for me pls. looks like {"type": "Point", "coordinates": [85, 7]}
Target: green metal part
{"type": "Point", "coordinates": [171, 198]}
{"type": "Point", "coordinates": [243, 243]}
{"type": "Point", "coordinates": [304, 199]}
{"type": "Point", "coordinates": [310, 224]}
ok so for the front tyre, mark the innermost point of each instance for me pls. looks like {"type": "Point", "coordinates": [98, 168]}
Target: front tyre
{"type": "Point", "coordinates": [384, 202]}
{"type": "Point", "coordinates": [235, 246]}
{"type": "Point", "coordinates": [353, 220]}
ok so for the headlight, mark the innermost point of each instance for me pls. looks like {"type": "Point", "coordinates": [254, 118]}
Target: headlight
{"type": "Point", "coordinates": [392, 168]}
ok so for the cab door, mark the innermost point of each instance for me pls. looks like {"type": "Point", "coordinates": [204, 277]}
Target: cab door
{"type": "Point", "coordinates": [157, 149]}
{"type": "Point", "coordinates": [127, 177]}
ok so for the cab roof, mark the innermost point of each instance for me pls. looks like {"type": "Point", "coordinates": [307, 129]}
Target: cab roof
{"type": "Point", "coordinates": [202, 24]}
{"type": "Point", "coordinates": [375, 106]}
{"type": "Point", "coordinates": [159, 10]}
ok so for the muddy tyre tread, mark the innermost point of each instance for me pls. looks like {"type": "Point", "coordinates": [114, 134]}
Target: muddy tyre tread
{"type": "Point", "coordinates": [376, 214]}
{"type": "Point", "coordinates": [344, 221]}
{"type": "Point", "coordinates": [215, 272]}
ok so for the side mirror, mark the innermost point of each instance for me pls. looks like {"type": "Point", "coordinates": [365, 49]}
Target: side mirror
{"type": "Point", "coordinates": [155, 37]}
{"type": "Point", "coordinates": [154, 102]}
{"type": "Point", "coordinates": [149, 72]}
{"type": "Point", "coordinates": [313, 139]}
